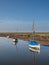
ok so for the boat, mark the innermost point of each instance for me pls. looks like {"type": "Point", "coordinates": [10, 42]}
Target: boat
{"type": "Point", "coordinates": [15, 40]}
{"type": "Point", "coordinates": [33, 44]}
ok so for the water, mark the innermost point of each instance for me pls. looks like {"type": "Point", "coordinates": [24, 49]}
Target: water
{"type": "Point", "coordinates": [20, 54]}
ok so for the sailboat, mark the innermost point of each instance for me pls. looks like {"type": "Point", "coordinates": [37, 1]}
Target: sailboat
{"type": "Point", "coordinates": [33, 45]}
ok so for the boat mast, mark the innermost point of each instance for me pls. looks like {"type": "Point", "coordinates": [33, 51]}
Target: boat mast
{"type": "Point", "coordinates": [33, 31]}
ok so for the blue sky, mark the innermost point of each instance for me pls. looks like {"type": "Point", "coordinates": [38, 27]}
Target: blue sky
{"type": "Point", "coordinates": [18, 15]}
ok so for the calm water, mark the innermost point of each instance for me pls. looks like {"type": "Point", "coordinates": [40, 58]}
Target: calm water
{"type": "Point", "coordinates": [20, 54]}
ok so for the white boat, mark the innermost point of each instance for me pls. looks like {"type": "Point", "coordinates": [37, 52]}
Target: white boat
{"type": "Point", "coordinates": [15, 40]}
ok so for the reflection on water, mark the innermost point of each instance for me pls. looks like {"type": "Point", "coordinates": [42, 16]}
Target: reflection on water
{"type": "Point", "coordinates": [15, 43]}
{"type": "Point", "coordinates": [34, 50]}
{"type": "Point", "coordinates": [19, 54]}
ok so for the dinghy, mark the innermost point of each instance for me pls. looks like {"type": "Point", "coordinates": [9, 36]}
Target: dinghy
{"type": "Point", "coordinates": [15, 40]}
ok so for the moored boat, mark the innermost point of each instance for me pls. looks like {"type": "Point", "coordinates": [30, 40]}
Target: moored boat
{"type": "Point", "coordinates": [15, 40]}
{"type": "Point", "coordinates": [32, 43]}
{"type": "Point", "coordinates": [34, 46]}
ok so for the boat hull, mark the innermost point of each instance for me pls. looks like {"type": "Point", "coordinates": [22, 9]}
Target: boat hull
{"type": "Point", "coordinates": [36, 46]}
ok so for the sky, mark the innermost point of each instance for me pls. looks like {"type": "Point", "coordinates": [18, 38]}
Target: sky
{"type": "Point", "coordinates": [18, 15]}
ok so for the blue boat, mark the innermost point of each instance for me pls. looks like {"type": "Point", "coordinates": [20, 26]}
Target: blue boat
{"type": "Point", "coordinates": [32, 43]}
{"type": "Point", "coordinates": [34, 46]}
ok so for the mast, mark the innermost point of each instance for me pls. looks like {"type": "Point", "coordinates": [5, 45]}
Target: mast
{"type": "Point", "coordinates": [33, 31]}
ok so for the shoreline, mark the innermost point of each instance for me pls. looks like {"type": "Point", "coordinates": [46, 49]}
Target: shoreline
{"type": "Point", "coordinates": [40, 37]}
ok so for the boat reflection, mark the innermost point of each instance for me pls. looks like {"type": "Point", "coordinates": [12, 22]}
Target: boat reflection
{"type": "Point", "coordinates": [34, 49]}
{"type": "Point", "coordinates": [14, 43]}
